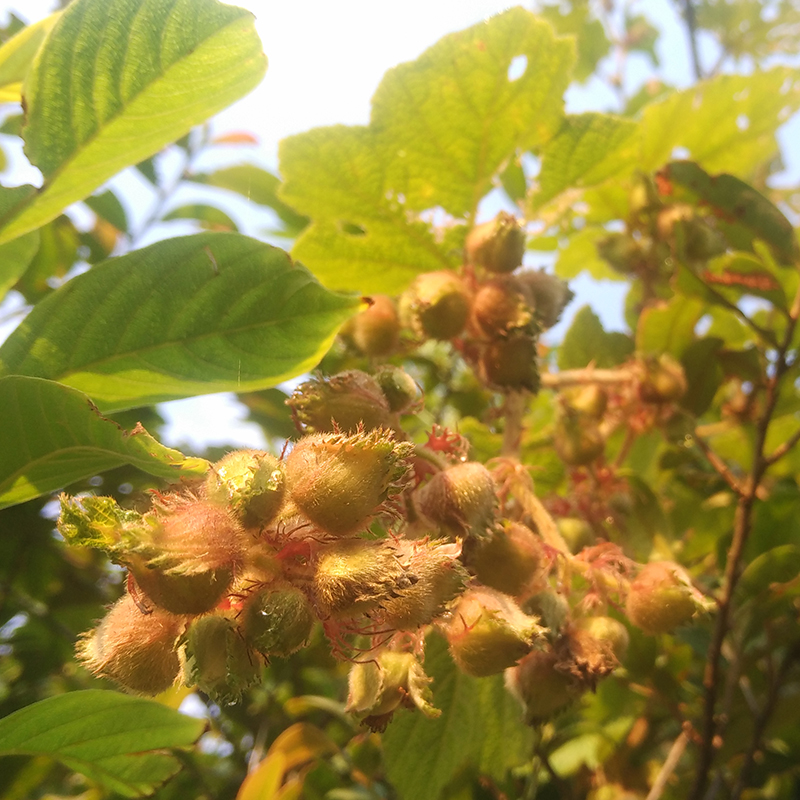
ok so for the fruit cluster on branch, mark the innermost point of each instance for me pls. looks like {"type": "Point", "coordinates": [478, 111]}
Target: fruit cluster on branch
{"type": "Point", "coordinates": [377, 539]}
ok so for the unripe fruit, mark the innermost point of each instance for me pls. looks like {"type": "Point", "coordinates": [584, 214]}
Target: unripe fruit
{"type": "Point", "coordinates": [488, 632]}
{"type": "Point", "coordinates": [249, 481]}
{"type": "Point", "coordinates": [376, 330]}
{"type": "Point", "coordinates": [577, 440]}
{"type": "Point", "coordinates": [436, 305]}
{"type": "Point", "coordinates": [660, 598]}
{"type": "Point", "coordinates": [497, 245]}
{"type": "Point", "coordinates": [345, 402]}
{"type": "Point", "coordinates": [400, 390]}
{"type": "Point", "coordinates": [591, 401]}
{"type": "Point", "coordinates": [509, 364]}
{"type": "Point", "coordinates": [355, 577]}
{"type": "Point", "coordinates": [187, 556]}
{"type": "Point", "coordinates": [440, 578]}
{"type": "Point", "coordinates": [577, 533]}
{"type": "Point", "coordinates": [277, 622]}
{"type": "Point", "coordinates": [499, 308]}
{"type": "Point", "coordinates": [217, 660]}
{"type": "Point", "coordinates": [664, 380]}
{"type": "Point", "coordinates": [340, 482]}
{"type": "Point", "coordinates": [134, 649]}
{"type": "Point", "coordinates": [542, 690]}
{"type": "Point", "coordinates": [379, 686]}
{"type": "Point", "coordinates": [460, 499]}
{"type": "Point", "coordinates": [609, 631]}
{"type": "Point", "coordinates": [547, 296]}
{"type": "Point", "coordinates": [512, 560]}
{"type": "Point", "coordinates": [622, 252]}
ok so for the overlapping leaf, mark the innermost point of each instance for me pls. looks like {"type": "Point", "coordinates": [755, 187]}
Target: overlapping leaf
{"type": "Point", "coordinates": [17, 54]}
{"type": "Point", "coordinates": [117, 740]}
{"type": "Point", "coordinates": [205, 313]}
{"type": "Point", "coordinates": [119, 79]}
{"type": "Point", "coordinates": [52, 435]}
{"type": "Point", "coordinates": [727, 123]}
{"type": "Point", "coordinates": [441, 128]}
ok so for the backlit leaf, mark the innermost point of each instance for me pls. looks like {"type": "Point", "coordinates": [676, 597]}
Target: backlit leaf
{"type": "Point", "coordinates": [17, 54]}
{"type": "Point", "coordinates": [112, 738]}
{"type": "Point", "coordinates": [118, 80]}
{"type": "Point", "coordinates": [52, 435]}
{"type": "Point", "coordinates": [192, 315]}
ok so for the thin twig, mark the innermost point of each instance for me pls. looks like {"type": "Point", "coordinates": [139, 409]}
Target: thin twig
{"type": "Point", "coordinates": [724, 471]}
{"type": "Point", "coordinates": [763, 719]}
{"type": "Point", "coordinates": [669, 765]}
{"type": "Point", "coordinates": [514, 411]}
{"type": "Point", "coordinates": [691, 30]}
{"type": "Point", "coordinates": [781, 450]}
{"type": "Point", "coordinates": [713, 727]}
{"type": "Point", "coordinates": [588, 375]}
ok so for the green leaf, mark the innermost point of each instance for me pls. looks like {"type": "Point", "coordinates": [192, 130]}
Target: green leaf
{"type": "Point", "coordinates": [586, 342]}
{"type": "Point", "coordinates": [580, 253]}
{"type": "Point", "coordinates": [206, 313]}
{"type": "Point", "coordinates": [52, 435]}
{"type": "Point", "coordinates": [14, 259]}
{"type": "Point", "coordinates": [442, 127]}
{"type": "Point", "coordinates": [116, 740]}
{"type": "Point", "coordinates": [455, 115]}
{"type": "Point", "coordinates": [738, 203]}
{"type": "Point", "coordinates": [708, 120]}
{"type": "Point", "coordinates": [209, 217]}
{"type": "Point", "coordinates": [726, 123]}
{"type": "Point", "coordinates": [704, 374]}
{"type": "Point", "coordinates": [108, 207]}
{"type": "Point", "coordinates": [481, 725]}
{"type": "Point", "coordinates": [669, 326]}
{"type": "Point", "coordinates": [118, 80]}
{"type": "Point", "coordinates": [17, 54]}
{"type": "Point", "coordinates": [778, 565]}
{"type": "Point", "coordinates": [258, 186]}
{"type": "Point", "coordinates": [591, 37]}
{"type": "Point", "coordinates": [578, 155]}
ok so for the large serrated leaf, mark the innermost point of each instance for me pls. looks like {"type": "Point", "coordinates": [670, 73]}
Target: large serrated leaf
{"type": "Point", "coordinates": [442, 128]}
{"type": "Point", "coordinates": [52, 435]}
{"type": "Point", "coordinates": [119, 79]}
{"type": "Point", "coordinates": [586, 342]}
{"type": "Point", "coordinates": [576, 156]}
{"type": "Point", "coordinates": [206, 313]}
{"type": "Point", "coordinates": [455, 114]}
{"type": "Point", "coordinates": [481, 725]}
{"type": "Point", "coordinates": [112, 738]}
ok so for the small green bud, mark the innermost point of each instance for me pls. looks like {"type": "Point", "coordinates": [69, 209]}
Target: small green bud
{"type": "Point", "coordinates": [376, 330]}
{"type": "Point", "coordinates": [277, 622]}
{"type": "Point", "coordinates": [249, 481]}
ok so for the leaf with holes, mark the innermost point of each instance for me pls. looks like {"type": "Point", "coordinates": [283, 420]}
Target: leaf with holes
{"type": "Point", "coordinates": [119, 741]}
{"type": "Point", "coordinates": [442, 128]}
{"type": "Point", "coordinates": [117, 80]}
{"type": "Point", "coordinates": [52, 435]}
{"type": "Point", "coordinates": [206, 313]}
